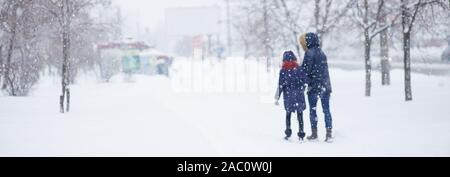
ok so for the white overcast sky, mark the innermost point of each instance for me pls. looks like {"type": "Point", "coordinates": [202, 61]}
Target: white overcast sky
{"type": "Point", "coordinates": [150, 13]}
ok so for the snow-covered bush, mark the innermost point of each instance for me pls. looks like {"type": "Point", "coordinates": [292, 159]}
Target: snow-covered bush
{"type": "Point", "coordinates": [23, 76]}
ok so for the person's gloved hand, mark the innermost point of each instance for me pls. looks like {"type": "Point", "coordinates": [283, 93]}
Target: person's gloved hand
{"type": "Point", "coordinates": [277, 103]}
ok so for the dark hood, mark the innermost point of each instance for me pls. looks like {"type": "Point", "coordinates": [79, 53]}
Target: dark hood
{"type": "Point", "coordinates": [312, 40]}
{"type": "Point", "coordinates": [289, 56]}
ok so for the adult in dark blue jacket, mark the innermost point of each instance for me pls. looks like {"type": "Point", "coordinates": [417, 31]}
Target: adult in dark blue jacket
{"type": "Point", "coordinates": [292, 85]}
{"type": "Point", "coordinates": [315, 66]}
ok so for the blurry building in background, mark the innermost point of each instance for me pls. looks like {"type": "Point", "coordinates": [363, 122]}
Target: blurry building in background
{"type": "Point", "coordinates": [195, 31]}
{"type": "Point", "coordinates": [131, 57]}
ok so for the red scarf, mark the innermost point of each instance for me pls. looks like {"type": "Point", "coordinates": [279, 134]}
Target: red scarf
{"type": "Point", "coordinates": [288, 65]}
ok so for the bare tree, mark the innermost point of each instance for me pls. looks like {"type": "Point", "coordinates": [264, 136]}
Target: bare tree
{"type": "Point", "coordinates": [367, 17]}
{"type": "Point", "coordinates": [1, 50]}
{"type": "Point", "coordinates": [268, 49]}
{"type": "Point", "coordinates": [256, 24]}
{"type": "Point", "coordinates": [1, 46]}
{"type": "Point", "coordinates": [1, 62]}
{"type": "Point", "coordinates": [287, 15]}
{"type": "Point", "coordinates": [107, 28]}
{"type": "Point", "coordinates": [22, 24]}
{"type": "Point", "coordinates": [244, 37]}
{"type": "Point", "coordinates": [328, 14]}
{"type": "Point", "coordinates": [229, 37]}
{"type": "Point", "coordinates": [9, 17]}
{"type": "Point", "coordinates": [410, 10]}
{"type": "Point", "coordinates": [247, 25]}
{"type": "Point", "coordinates": [384, 47]}
{"type": "Point", "coordinates": [67, 15]}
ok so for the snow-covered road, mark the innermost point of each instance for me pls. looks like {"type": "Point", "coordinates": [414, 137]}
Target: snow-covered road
{"type": "Point", "coordinates": [149, 118]}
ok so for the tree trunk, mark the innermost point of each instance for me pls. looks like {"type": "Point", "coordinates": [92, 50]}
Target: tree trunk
{"type": "Point", "coordinates": [266, 35]}
{"type": "Point", "coordinates": [406, 21]}
{"type": "Point", "coordinates": [297, 49]}
{"type": "Point", "coordinates": [297, 45]}
{"type": "Point", "coordinates": [229, 38]}
{"type": "Point", "coordinates": [368, 64]}
{"type": "Point", "coordinates": [317, 15]}
{"type": "Point", "coordinates": [246, 50]}
{"type": "Point", "coordinates": [11, 85]}
{"type": "Point", "coordinates": [385, 64]}
{"type": "Point", "coordinates": [66, 49]}
{"type": "Point", "coordinates": [320, 30]}
{"type": "Point", "coordinates": [68, 100]}
{"type": "Point", "coordinates": [7, 66]}
{"type": "Point", "coordinates": [1, 62]}
{"type": "Point", "coordinates": [384, 47]}
{"type": "Point", "coordinates": [64, 76]}
{"type": "Point", "coordinates": [367, 45]}
{"type": "Point", "coordinates": [407, 65]}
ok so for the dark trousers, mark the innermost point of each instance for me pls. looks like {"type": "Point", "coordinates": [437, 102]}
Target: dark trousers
{"type": "Point", "coordinates": [325, 100]}
{"type": "Point", "coordinates": [288, 122]}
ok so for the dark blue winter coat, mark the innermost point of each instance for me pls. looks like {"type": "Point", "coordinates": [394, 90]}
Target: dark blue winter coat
{"type": "Point", "coordinates": [315, 66]}
{"type": "Point", "coordinates": [292, 84]}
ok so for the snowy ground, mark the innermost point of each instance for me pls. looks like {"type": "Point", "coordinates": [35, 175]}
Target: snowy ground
{"type": "Point", "coordinates": [157, 116]}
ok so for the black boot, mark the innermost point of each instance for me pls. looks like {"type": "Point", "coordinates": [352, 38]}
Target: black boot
{"type": "Point", "coordinates": [329, 137]}
{"type": "Point", "coordinates": [313, 136]}
{"type": "Point", "coordinates": [301, 135]}
{"type": "Point", "coordinates": [288, 133]}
